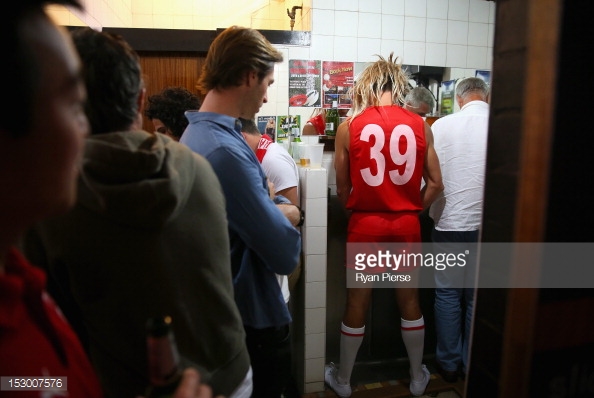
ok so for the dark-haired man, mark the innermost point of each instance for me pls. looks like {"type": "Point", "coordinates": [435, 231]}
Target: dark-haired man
{"type": "Point", "coordinates": [146, 237]}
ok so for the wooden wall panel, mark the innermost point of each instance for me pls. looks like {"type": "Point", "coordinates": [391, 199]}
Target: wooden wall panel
{"type": "Point", "coordinates": [536, 342]}
{"type": "Point", "coordinates": [164, 69]}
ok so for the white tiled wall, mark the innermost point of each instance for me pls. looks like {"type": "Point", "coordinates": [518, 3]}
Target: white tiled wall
{"type": "Point", "coordinates": [455, 34]}
{"type": "Point", "coordinates": [314, 200]}
{"type": "Point", "coordinates": [449, 33]}
{"type": "Point", "coordinates": [412, 24]}
{"type": "Point", "coordinates": [190, 14]}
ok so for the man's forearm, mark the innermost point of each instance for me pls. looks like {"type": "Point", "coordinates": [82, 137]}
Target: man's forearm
{"type": "Point", "coordinates": [292, 212]}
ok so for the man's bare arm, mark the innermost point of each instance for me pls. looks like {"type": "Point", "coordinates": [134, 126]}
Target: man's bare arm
{"type": "Point", "coordinates": [432, 172]}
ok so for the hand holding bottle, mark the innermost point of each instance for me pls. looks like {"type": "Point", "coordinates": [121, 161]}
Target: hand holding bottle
{"type": "Point", "coordinates": [170, 375]}
{"type": "Point", "coordinates": [191, 387]}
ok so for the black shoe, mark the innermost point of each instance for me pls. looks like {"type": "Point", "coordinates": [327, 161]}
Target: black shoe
{"type": "Point", "coordinates": [450, 376]}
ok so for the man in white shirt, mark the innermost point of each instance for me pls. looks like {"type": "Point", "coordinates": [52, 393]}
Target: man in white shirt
{"type": "Point", "coordinates": [461, 145]}
{"type": "Point", "coordinates": [281, 170]}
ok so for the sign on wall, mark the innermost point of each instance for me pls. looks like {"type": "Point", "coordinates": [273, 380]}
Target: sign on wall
{"type": "Point", "coordinates": [287, 126]}
{"type": "Point", "coordinates": [304, 83]}
{"type": "Point", "coordinates": [485, 75]}
{"type": "Point", "coordinates": [447, 97]}
{"type": "Point", "coordinates": [337, 80]}
{"type": "Point", "coordinates": [315, 83]}
{"type": "Point", "coordinates": [267, 125]}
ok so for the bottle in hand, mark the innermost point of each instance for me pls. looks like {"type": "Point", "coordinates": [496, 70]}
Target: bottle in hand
{"type": "Point", "coordinates": [164, 362]}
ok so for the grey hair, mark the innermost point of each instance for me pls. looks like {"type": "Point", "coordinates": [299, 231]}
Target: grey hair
{"type": "Point", "coordinates": [472, 85]}
{"type": "Point", "coordinates": [418, 96]}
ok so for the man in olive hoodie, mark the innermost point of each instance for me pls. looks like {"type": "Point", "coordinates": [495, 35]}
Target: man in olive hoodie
{"type": "Point", "coordinates": [147, 237]}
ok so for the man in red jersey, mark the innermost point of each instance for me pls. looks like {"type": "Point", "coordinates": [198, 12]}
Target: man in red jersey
{"type": "Point", "coordinates": [383, 152]}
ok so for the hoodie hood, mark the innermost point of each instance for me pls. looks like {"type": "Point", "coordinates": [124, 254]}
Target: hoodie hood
{"type": "Point", "coordinates": [135, 178]}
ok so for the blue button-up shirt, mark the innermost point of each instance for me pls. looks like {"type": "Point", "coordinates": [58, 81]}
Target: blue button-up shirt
{"type": "Point", "coordinates": [263, 242]}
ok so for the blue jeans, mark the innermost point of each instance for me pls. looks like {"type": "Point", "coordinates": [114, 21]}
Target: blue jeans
{"type": "Point", "coordinates": [452, 304]}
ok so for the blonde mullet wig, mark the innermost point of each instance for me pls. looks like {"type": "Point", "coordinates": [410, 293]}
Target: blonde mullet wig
{"type": "Point", "coordinates": [381, 76]}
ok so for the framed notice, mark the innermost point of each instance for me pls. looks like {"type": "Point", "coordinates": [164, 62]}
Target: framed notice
{"type": "Point", "coordinates": [304, 83]}
{"type": "Point", "coordinates": [337, 80]}
{"type": "Point", "coordinates": [267, 125]}
{"type": "Point", "coordinates": [286, 127]}
{"type": "Point", "coordinates": [447, 97]}
{"type": "Point", "coordinates": [484, 75]}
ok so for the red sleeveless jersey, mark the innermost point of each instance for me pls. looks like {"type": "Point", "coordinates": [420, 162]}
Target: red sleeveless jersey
{"type": "Point", "coordinates": [387, 155]}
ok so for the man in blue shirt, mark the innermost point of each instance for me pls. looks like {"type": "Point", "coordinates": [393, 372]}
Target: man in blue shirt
{"type": "Point", "coordinates": [238, 70]}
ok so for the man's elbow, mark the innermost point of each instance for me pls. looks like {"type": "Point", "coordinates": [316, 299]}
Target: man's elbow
{"type": "Point", "coordinates": [293, 215]}
{"type": "Point", "coordinates": [433, 189]}
{"type": "Point", "coordinates": [439, 187]}
{"type": "Point", "coordinates": [342, 191]}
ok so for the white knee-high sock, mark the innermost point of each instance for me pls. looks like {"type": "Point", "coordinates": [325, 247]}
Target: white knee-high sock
{"type": "Point", "coordinates": [413, 336]}
{"type": "Point", "coordinates": [350, 341]}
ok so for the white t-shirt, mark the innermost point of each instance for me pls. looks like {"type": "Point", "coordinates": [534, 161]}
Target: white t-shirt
{"type": "Point", "coordinates": [280, 168]}
{"type": "Point", "coordinates": [460, 141]}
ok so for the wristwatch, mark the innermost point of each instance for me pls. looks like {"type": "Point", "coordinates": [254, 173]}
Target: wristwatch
{"type": "Point", "coordinates": [301, 217]}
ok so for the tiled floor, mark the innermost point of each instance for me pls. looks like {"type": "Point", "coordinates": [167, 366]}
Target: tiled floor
{"type": "Point", "coordinates": [365, 384]}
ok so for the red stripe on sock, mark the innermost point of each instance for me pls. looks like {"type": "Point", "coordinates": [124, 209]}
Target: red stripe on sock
{"type": "Point", "coordinates": [413, 327]}
{"type": "Point", "coordinates": [352, 334]}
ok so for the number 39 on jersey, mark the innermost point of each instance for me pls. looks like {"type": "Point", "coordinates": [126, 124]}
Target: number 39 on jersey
{"type": "Point", "coordinates": [398, 175]}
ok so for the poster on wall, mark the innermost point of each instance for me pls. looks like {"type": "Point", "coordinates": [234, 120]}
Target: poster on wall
{"type": "Point", "coordinates": [485, 75]}
{"type": "Point", "coordinates": [304, 83]}
{"type": "Point", "coordinates": [267, 125]}
{"type": "Point", "coordinates": [337, 79]}
{"type": "Point", "coordinates": [447, 97]}
{"type": "Point", "coordinates": [287, 126]}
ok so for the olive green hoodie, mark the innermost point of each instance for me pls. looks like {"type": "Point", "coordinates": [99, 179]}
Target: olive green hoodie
{"type": "Point", "coordinates": [147, 237]}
